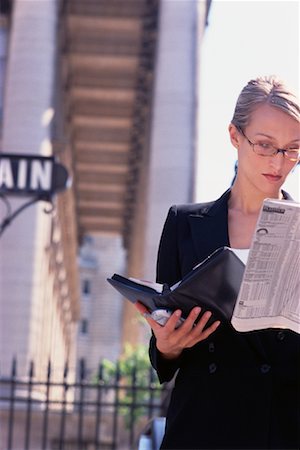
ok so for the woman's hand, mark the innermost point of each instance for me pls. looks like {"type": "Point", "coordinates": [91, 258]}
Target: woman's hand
{"type": "Point", "coordinates": [171, 341]}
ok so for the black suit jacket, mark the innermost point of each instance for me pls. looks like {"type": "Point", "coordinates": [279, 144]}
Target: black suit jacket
{"type": "Point", "coordinates": [233, 390]}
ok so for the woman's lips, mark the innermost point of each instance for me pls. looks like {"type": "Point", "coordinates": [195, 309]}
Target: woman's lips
{"type": "Point", "coordinates": [272, 178]}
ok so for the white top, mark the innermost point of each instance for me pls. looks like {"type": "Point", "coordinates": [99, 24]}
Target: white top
{"type": "Point", "coordinates": [242, 253]}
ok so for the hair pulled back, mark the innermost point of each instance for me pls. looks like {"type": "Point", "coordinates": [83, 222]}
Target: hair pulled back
{"type": "Point", "coordinates": [260, 91]}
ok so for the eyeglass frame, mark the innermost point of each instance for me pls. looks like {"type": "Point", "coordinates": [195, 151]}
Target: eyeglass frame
{"type": "Point", "coordinates": [276, 150]}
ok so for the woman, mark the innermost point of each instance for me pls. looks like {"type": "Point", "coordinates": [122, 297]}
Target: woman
{"type": "Point", "coordinates": [232, 390]}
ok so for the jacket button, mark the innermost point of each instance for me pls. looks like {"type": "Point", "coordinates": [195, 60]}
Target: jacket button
{"type": "Point", "coordinates": [212, 368]}
{"type": "Point", "coordinates": [211, 347]}
{"type": "Point", "coordinates": [265, 368]}
{"type": "Point", "coordinates": [280, 335]}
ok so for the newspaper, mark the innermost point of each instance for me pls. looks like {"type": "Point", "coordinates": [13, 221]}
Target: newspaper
{"type": "Point", "coordinates": [270, 292]}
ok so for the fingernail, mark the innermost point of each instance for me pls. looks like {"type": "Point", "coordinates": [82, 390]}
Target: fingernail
{"type": "Point", "coordinates": [197, 310]}
{"type": "Point", "coordinates": [178, 313]}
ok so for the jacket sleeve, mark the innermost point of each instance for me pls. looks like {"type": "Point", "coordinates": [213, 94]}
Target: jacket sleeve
{"type": "Point", "coordinates": [168, 267]}
{"type": "Point", "coordinates": [168, 271]}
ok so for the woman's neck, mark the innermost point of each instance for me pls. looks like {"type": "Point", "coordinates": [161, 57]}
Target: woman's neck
{"type": "Point", "coordinates": [247, 201]}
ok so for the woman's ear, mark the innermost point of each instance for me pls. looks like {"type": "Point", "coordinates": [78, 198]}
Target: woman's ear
{"type": "Point", "coordinates": [234, 135]}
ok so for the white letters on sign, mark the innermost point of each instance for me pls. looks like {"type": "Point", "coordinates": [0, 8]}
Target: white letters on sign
{"type": "Point", "coordinates": [28, 175]}
{"type": "Point", "coordinates": [22, 174]}
{"type": "Point", "coordinates": [41, 175]}
{"type": "Point", "coordinates": [6, 174]}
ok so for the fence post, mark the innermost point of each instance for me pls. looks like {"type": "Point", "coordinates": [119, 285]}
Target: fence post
{"type": "Point", "coordinates": [63, 411]}
{"type": "Point", "coordinates": [133, 406]}
{"type": "Point", "coordinates": [116, 406]}
{"type": "Point", "coordinates": [29, 403]}
{"type": "Point", "coordinates": [81, 401]}
{"type": "Point", "coordinates": [98, 406]}
{"type": "Point", "coordinates": [46, 413]}
{"type": "Point", "coordinates": [12, 404]}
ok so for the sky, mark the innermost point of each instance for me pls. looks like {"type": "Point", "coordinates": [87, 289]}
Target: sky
{"type": "Point", "coordinates": [244, 39]}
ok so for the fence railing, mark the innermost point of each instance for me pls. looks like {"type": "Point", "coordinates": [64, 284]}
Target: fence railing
{"type": "Point", "coordinates": [85, 411]}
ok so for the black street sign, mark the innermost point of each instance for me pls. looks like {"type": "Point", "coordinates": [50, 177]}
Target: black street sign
{"type": "Point", "coordinates": [25, 175]}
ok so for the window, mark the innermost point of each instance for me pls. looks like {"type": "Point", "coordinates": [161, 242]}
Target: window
{"type": "Point", "coordinates": [86, 287]}
{"type": "Point", "coordinates": [84, 326]}
{"type": "Point", "coordinates": [5, 6]}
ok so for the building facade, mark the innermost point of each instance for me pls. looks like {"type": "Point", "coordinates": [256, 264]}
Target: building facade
{"type": "Point", "coordinates": [109, 89]}
{"type": "Point", "coordinates": [39, 298]}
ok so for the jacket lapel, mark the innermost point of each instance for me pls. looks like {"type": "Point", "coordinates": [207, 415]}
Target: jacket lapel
{"type": "Point", "coordinates": [209, 226]}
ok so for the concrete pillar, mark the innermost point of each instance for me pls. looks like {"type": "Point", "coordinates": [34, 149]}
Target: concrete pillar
{"type": "Point", "coordinates": [168, 172]}
{"type": "Point", "coordinates": [171, 165]}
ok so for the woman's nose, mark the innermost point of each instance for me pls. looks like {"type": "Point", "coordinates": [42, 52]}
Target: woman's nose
{"type": "Point", "coordinates": [277, 160]}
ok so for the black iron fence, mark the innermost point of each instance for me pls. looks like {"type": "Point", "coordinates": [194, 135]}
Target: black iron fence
{"type": "Point", "coordinates": [86, 411]}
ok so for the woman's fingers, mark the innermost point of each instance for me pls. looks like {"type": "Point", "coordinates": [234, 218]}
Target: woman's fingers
{"type": "Point", "coordinates": [203, 320]}
{"type": "Point", "coordinates": [209, 330]}
{"type": "Point", "coordinates": [187, 334]}
{"type": "Point", "coordinates": [201, 331]}
{"type": "Point", "coordinates": [147, 315]}
{"type": "Point", "coordinates": [202, 325]}
{"type": "Point", "coordinates": [192, 332]}
{"type": "Point", "coordinates": [153, 323]}
{"type": "Point", "coordinates": [189, 322]}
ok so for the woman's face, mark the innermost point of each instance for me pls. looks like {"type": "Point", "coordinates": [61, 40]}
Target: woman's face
{"type": "Point", "coordinates": [265, 174]}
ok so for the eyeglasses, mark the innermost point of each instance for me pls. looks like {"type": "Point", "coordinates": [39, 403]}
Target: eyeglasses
{"type": "Point", "coordinates": [266, 149]}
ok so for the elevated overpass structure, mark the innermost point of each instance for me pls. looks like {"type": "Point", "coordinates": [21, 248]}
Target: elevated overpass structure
{"type": "Point", "coordinates": [108, 67]}
{"type": "Point", "coordinates": [109, 59]}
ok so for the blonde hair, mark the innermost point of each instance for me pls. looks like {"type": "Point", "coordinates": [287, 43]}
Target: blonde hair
{"type": "Point", "coordinates": [264, 90]}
